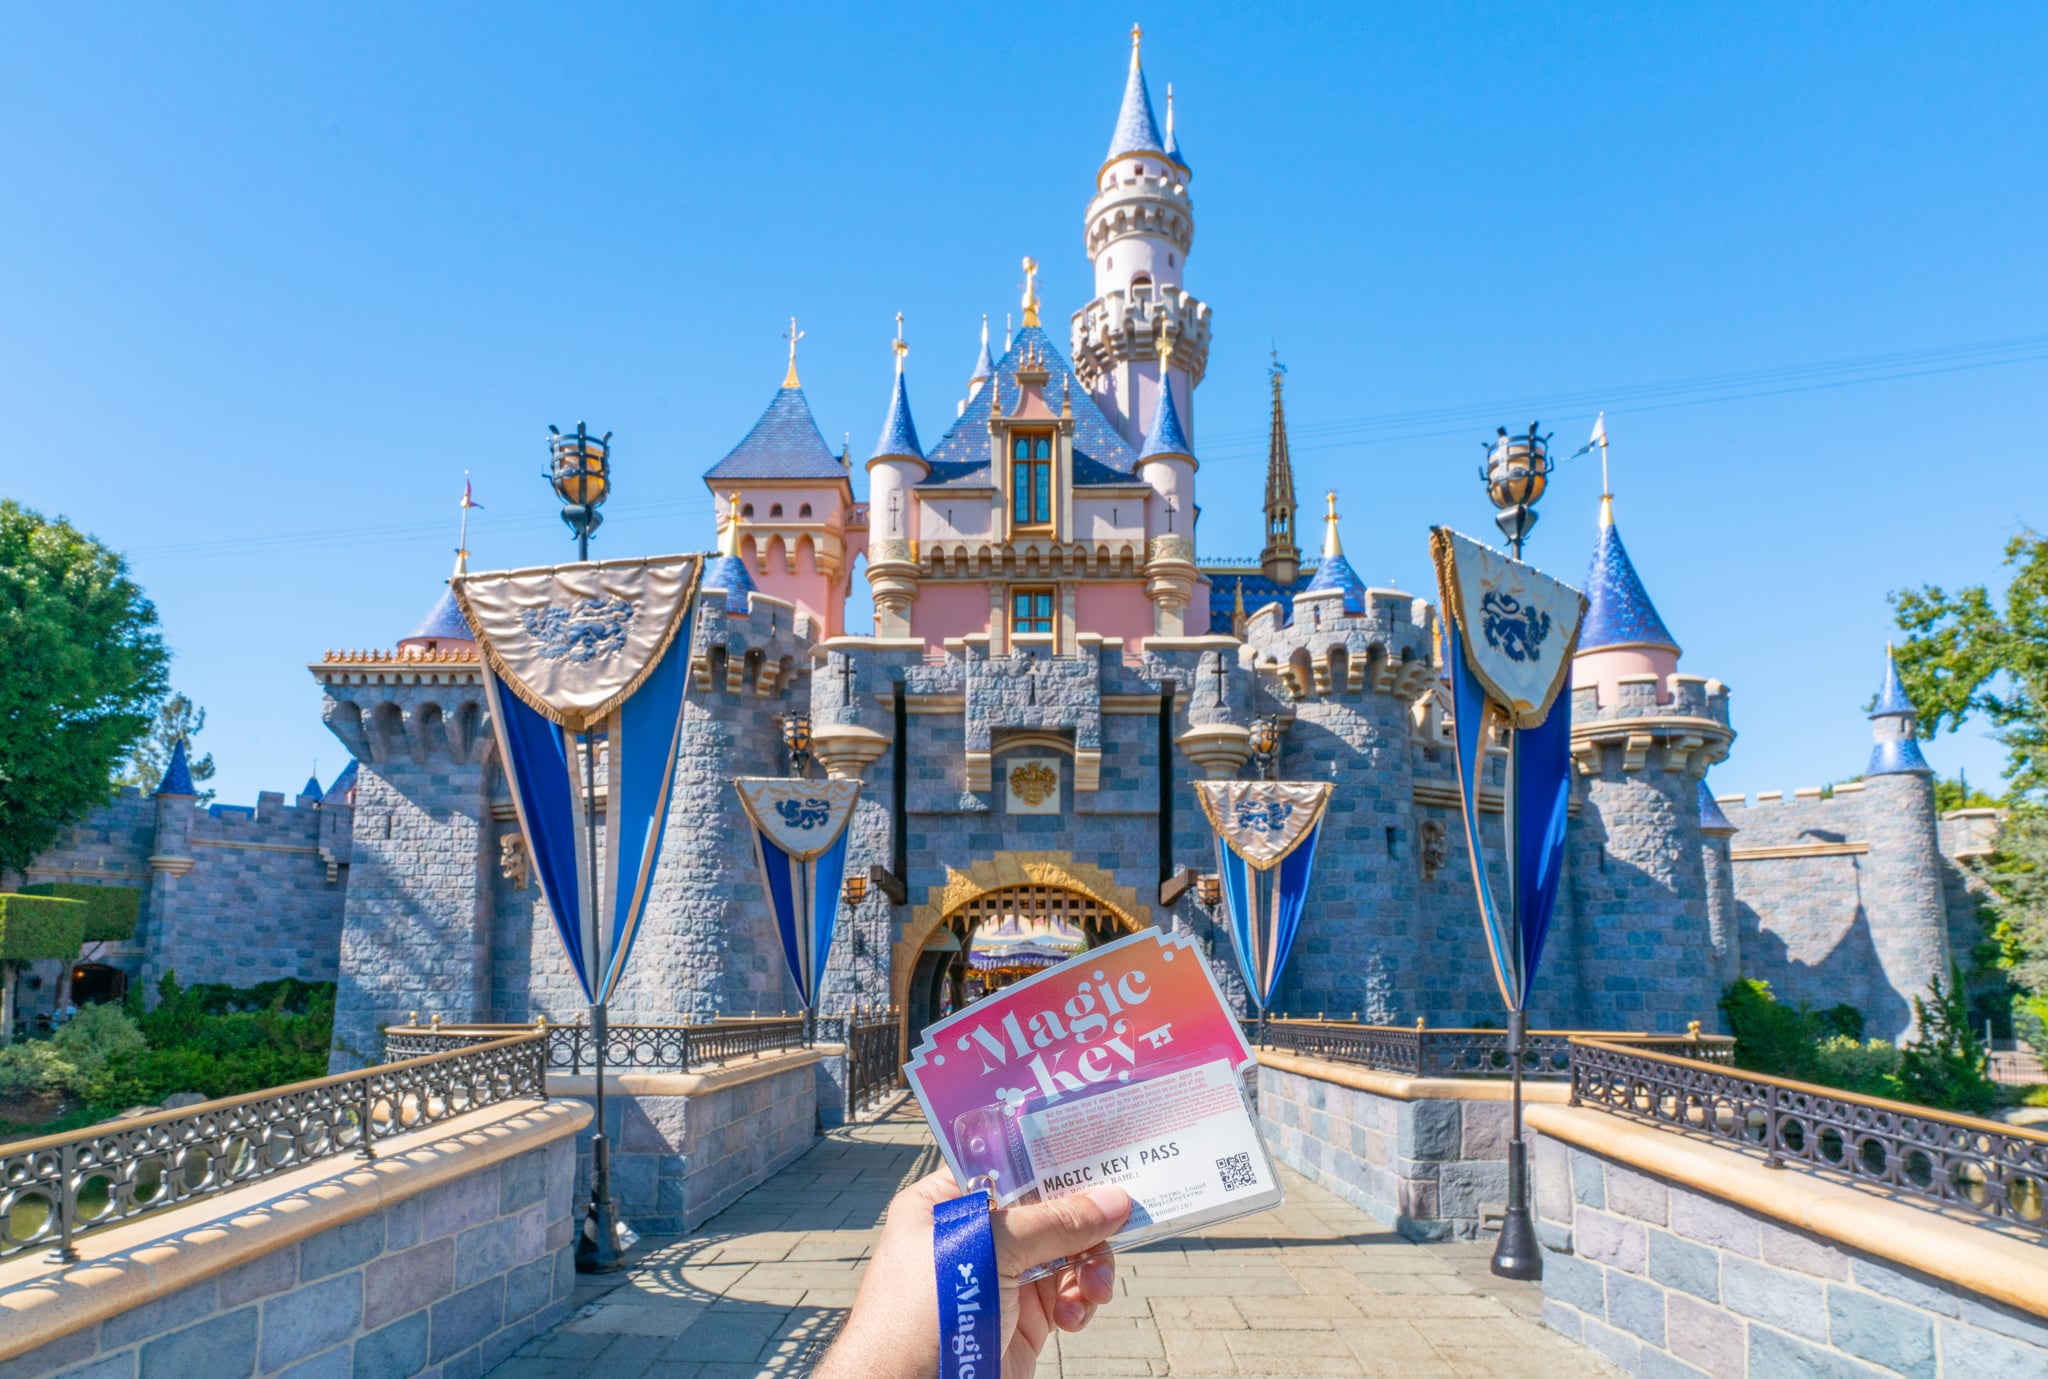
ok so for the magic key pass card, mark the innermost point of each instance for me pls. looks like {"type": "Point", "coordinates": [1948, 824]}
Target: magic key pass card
{"type": "Point", "coordinates": [1121, 1065]}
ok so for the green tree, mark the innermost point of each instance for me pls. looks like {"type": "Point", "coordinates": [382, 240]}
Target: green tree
{"type": "Point", "coordinates": [1968, 653]}
{"type": "Point", "coordinates": [84, 664]}
{"type": "Point", "coordinates": [177, 717]}
{"type": "Point", "coordinates": [1944, 1064]}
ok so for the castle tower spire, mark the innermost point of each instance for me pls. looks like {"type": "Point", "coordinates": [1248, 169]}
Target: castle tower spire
{"type": "Point", "coordinates": [1894, 724]}
{"type": "Point", "coordinates": [894, 470]}
{"type": "Point", "coordinates": [1280, 561]}
{"type": "Point", "coordinates": [1139, 227]}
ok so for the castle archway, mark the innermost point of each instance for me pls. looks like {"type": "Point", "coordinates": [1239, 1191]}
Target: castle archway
{"type": "Point", "coordinates": [1045, 889]}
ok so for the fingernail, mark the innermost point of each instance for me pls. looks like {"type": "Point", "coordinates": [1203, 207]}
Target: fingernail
{"type": "Point", "coordinates": [1113, 1202]}
{"type": "Point", "coordinates": [1101, 1275]}
{"type": "Point", "coordinates": [1069, 1314]}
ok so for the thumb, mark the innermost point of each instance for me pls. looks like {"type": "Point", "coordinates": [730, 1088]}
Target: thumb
{"type": "Point", "coordinates": [1038, 1234]}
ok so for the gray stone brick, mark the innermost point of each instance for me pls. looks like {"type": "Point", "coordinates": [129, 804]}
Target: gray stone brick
{"type": "Point", "coordinates": [222, 1347]}
{"type": "Point", "coordinates": [1707, 1335]}
{"type": "Point", "coordinates": [334, 1364]}
{"type": "Point", "coordinates": [310, 1318]}
{"type": "Point", "coordinates": [485, 1250]}
{"type": "Point", "coordinates": [1625, 1350]}
{"type": "Point", "coordinates": [398, 1284]}
{"type": "Point", "coordinates": [1576, 1282]}
{"type": "Point", "coordinates": [1882, 1332]}
{"type": "Point", "coordinates": [1657, 1365]}
{"type": "Point", "coordinates": [1790, 1249]}
{"type": "Point", "coordinates": [121, 1366]}
{"type": "Point", "coordinates": [1589, 1180]}
{"type": "Point", "coordinates": [1902, 1285]}
{"type": "Point", "coordinates": [1636, 1307]}
{"type": "Point", "coordinates": [397, 1349]}
{"type": "Point", "coordinates": [522, 1181]}
{"type": "Point", "coordinates": [1685, 1266]}
{"type": "Point", "coordinates": [1429, 1130]}
{"type": "Point", "coordinates": [1609, 1240]}
{"type": "Point", "coordinates": [1637, 1194]}
{"type": "Point", "coordinates": [65, 1350]}
{"type": "Point", "coordinates": [1996, 1317]}
{"type": "Point", "coordinates": [1774, 1297]}
{"type": "Point", "coordinates": [1714, 1222]}
{"type": "Point", "coordinates": [1969, 1353]}
{"type": "Point", "coordinates": [451, 1207]}
{"type": "Point", "coordinates": [1565, 1321]}
{"type": "Point", "coordinates": [168, 1313]}
{"type": "Point", "coordinates": [259, 1278]}
{"type": "Point", "coordinates": [461, 1321]}
{"type": "Point", "coordinates": [344, 1247]}
{"type": "Point", "coordinates": [1773, 1355]}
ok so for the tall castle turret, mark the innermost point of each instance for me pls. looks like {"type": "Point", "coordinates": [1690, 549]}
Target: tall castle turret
{"type": "Point", "coordinates": [1909, 922]}
{"type": "Point", "coordinates": [1280, 561]}
{"type": "Point", "coordinates": [897, 466]}
{"type": "Point", "coordinates": [1643, 736]}
{"type": "Point", "coordinates": [1139, 228]}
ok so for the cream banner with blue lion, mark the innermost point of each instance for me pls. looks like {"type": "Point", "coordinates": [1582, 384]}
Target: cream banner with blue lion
{"type": "Point", "coordinates": [800, 837]}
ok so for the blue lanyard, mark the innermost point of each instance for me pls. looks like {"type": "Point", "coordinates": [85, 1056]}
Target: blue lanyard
{"type": "Point", "coordinates": [970, 1313]}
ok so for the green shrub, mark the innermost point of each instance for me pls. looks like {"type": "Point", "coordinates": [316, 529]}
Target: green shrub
{"type": "Point", "coordinates": [1770, 1037]}
{"type": "Point", "coordinates": [1869, 1067]}
{"type": "Point", "coordinates": [39, 926]}
{"type": "Point", "coordinates": [111, 912]}
{"type": "Point", "coordinates": [33, 1066]}
{"type": "Point", "coordinates": [1839, 1022]}
{"type": "Point", "coordinates": [1945, 1065]}
{"type": "Point", "coordinates": [96, 1036]}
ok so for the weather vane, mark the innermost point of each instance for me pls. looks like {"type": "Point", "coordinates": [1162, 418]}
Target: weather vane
{"type": "Point", "coordinates": [901, 347]}
{"type": "Point", "coordinates": [1030, 291]}
{"type": "Point", "coordinates": [792, 335]}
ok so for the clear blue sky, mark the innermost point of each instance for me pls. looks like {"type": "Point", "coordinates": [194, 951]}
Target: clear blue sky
{"type": "Point", "coordinates": [276, 276]}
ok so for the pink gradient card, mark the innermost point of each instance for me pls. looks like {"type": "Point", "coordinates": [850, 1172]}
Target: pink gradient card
{"type": "Point", "coordinates": [1121, 1065]}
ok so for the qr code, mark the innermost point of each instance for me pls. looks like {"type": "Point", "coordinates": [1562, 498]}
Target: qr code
{"type": "Point", "coordinates": [1237, 1171]}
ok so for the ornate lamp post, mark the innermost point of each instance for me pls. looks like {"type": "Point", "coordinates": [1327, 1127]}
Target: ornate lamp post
{"type": "Point", "coordinates": [582, 476]}
{"type": "Point", "coordinates": [1516, 471]}
{"type": "Point", "coordinates": [1265, 743]}
{"type": "Point", "coordinates": [796, 739]}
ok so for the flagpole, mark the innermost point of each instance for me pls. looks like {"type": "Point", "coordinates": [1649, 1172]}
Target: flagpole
{"type": "Point", "coordinates": [1514, 1254]}
{"type": "Point", "coordinates": [597, 1246]}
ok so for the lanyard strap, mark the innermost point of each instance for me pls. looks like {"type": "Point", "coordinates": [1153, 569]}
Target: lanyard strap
{"type": "Point", "coordinates": [970, 1317]}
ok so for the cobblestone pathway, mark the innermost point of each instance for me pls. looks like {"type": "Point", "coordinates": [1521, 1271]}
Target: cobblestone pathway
{"type": "Point", "coordinates": [1314, 1288]}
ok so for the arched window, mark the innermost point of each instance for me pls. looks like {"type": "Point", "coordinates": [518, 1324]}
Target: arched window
{"type": "Point", "coordinates": [775, 510]}
{"type": "Point", "coordinates": [804, 511]}
{"type": "Point", "coordinates": [1031, 479]}
{"type": "Point", "coordinates": [1141, 287]}
{"type": "Point", "coordinates": [747, 510]}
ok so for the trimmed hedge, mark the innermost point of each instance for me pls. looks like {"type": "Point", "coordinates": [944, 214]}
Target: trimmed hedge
{"type": "Point", "coordinates": [40, 926]}
{"type": "Point", "coordinates": [111, 912]}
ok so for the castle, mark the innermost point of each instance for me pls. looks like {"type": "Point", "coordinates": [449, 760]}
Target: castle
{"type": "Point", "coordinates": [1052, 665]}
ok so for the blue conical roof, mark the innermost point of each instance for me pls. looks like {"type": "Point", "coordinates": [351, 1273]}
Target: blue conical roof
{"type": "Point", "coordinates": [1136, 130]}
{"type": "Point", "coordinates": [443, 623]}
{"type": "Point", "coordinates": [784, 444]}
{"type": "Point", "coordinates": [1891, 696]}
{"type": "Point", "coordinates": [311, 789]}
{"type": "Point", "coordinates": [1166, 437]}
{"type": "Point", "coordinates": [1618, 608]}
{"type": "Point", "coordinates": [1335, 572]}
{"type": "Point", "coordinates": [729, 572]}
{"type": "Point", "coordinates": [1897, 757]}
{"type": "Point", "coordinates": [178, 775]}
{"type": "Point", "coordinates": [1712, 820]}
{"type": "Point", "coordinates": [899, 431]}
{"type": "Point", "coordinates": [984, 364]}
{"type": "Point", "coordinates": [343, 783]}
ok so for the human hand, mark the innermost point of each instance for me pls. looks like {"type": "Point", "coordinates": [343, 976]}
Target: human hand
{"type": "Point", "coordinates": [893, 1330]}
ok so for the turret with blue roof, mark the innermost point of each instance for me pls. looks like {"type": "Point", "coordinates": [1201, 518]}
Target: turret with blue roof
{"type": "Point", "coordinates": [1166, 436]}
{"type": "Point", "coordinates": [1173, 148]}
{"type": "Point", "coordinates": [1894, 723]}
{"type": "Point", "coordinates": [178, 775]}
{"type": "Point", "coordinates": [1618, 609]}
{"type": "Point", "coordinates": [1136, 129]}
{"type": "Point", "coordinates": [984, 363]}
{"type": "Point", "coordinates": [1334, 575]}
{"type": "Point", "coordinates": [311, 789]}
{"type": "Point", "coordinates": [726, 570]}
{"type": "Point", "coordinates": [443, 629]}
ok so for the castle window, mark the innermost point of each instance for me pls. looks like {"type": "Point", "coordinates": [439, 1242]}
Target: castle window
{"type": "Point", "coordinates": [1141, 287]}
{"type": "Point", "coordinates": [775, 511]}
{"type": "Point", "coordinates": [1169, 260]}
{"type": "Point", "coordinates": [1031, 611]}
{"type": "Point", "coordinates": [1031, 480]}
{"type": "Point", "coordinates": [746, 510]}
{"type": "Point", "coordinates": [804, 511]}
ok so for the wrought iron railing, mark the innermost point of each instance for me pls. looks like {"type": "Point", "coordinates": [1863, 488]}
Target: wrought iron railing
{"type": "Point", "coordinates": [1420, 1051]}
{"type": "Point", "coordinates": [54, 1189]}
{"type": "Point", "coordinates": [627, 1048]}
{"type": "Point", "coordinates": [1978, 1166]}
{"type": "Point", "coordinates": [872, 1068]}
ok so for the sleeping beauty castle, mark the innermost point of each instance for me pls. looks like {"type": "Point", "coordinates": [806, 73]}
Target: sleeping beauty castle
{"type": "Point", "coordinates": [1053, 664]}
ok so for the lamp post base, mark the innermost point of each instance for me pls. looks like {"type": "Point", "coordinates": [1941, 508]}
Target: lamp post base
{"type": "Point", "coordinates": [1516, 1255]}
{"type": "Point", "coordinates": [601, 1244]}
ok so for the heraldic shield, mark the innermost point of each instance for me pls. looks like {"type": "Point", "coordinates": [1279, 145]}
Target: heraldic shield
{"type": "Point", "coordinates": [800, 838]}
{"type": "Point", "coordinates": [585, 670]}
{"type": "Point", "coordinates": [1518, 626]}
{"type": "Point", "coordinates": [1265, 850]}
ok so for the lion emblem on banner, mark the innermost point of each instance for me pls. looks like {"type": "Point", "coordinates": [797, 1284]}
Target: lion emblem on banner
{"type": "Point", "coordinates": [1512, 629]}
{"type": "Point", "coordinates": [579, 632]}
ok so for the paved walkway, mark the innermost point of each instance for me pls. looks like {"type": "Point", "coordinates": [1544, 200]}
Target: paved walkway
{"type": "Point", "coordinates": [1316, 1287]}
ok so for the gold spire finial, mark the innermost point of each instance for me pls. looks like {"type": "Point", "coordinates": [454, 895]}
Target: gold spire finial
{"type": "Point", "coordinates": [462, 542]}
{"type": "Point", "coordinates": [1169, 114]}
{"type": "Point", "coordinates": [1165, 352]}
{"type": "Point", "coordinates": [900, 346]}
{"type": "Point", "coordinates": [1136, 34]}
{"type": "Point", "coordinates": [1030, 291]}
{"type": "Point", "coordinates": [1332, 547]}
{"type": "Point", "coordinates": [792, 335]}
{"type": "Point", "coordinates": [1606, 510]}
{"type": "Point", "coordinates": [729, 539]}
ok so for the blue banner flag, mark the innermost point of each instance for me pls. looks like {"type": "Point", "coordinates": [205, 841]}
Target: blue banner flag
{"type": "Point", "coordinates": [800, 838]}
{"type": "Point", "coordinates": [1265, 852]}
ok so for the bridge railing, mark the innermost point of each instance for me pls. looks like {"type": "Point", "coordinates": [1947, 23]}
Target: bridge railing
{"type": "Point", "coordinates": [56, 1188]}
{"type": "Point", "coordinates": [872, 1070]}
{"type": "Point", "coordinates": [1980, 1167]}
{"type": "Point", "coordinates": [628, 1048]}
{"type": "Point", "coordinates": [1421, 1051]}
